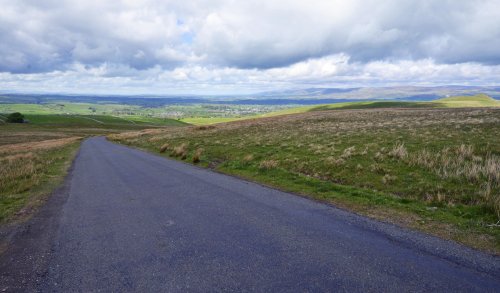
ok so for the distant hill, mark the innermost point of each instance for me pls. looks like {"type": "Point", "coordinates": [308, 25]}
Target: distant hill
{"type": "Point", "coordinates": [403, 93]}
{"type": "Point", "coordinates": [480, 100]}
{"type": "Point", "coordinates": [310, 96]}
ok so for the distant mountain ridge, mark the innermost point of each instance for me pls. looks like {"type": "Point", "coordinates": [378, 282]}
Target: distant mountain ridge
{"type": "Point", "coordinates": [308, 96]}
{"type": "Point", "coordinates": [399, 93]}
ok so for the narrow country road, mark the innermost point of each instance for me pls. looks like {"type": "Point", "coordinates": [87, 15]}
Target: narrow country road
{"type": "Point", "coordinates": [132, 221]}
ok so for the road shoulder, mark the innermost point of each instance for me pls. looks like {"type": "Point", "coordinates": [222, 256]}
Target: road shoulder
{"type": "Point", "coordinates": [26, 246]}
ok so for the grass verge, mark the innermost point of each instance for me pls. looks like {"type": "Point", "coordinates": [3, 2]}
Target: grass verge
{"type": "Point", "coordinates": [29, 172]}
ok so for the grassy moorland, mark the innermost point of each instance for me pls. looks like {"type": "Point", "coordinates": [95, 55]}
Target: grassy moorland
{"type": "Point", "coordinates": [450, 102]}
{"type": "Point", "coordinates": [29, 171]}
{"type": "Point", "coordinates": [35, 156]}
{"type": "Point", "coordinates": [214, 120]}
{"type": "Point", "coordinates": [436, 170]}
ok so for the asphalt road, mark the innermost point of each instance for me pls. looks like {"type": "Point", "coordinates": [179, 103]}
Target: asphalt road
{"type": "Point", "coordinates": [127, 220]}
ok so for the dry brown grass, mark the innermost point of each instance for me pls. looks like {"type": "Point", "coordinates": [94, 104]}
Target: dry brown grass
{"type": "Point", "coordinates": [348, 152]}
{"type": "Point", "coordinates": [19, 172]}
{"type": "Point", "coordinates": [134, 134]}
{"type": "Point", "coordinates": [197, 155]}
{"type": "Point", "coordinates": [180, 151]}
{"type": "Point", "coordinates": [387, 179]}
{"type": "Point", "coordinates": [399, 151]}
{"type": "Point", "coordinates": [36, 146]}
{"type": "Point", "coordinates": [8, 136]}
{"type": "Point", "coordinates": [164, 147]}
{"type": "Point", "coordinates": [22, 165]}
{"type": "Point", "coordinates": [268, 164]}
{"type": "Point", "coordinates": [248, 158]}
{"type": "Point", "coordinates": [462, 163]}
{"type": "Point", "coordinates": [335, 161]}
{"type": "Point", "coordinates": [28, 171]}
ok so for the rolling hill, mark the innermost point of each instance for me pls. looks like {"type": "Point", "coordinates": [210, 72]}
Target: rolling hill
{"type": "Point", "coordinates": [479, 100]}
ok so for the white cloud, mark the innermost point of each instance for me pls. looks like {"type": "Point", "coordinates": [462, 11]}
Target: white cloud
{"type": "Point", "coordinates": [174, 45]}
{"type": "Point", "coordinates": [334, 70]}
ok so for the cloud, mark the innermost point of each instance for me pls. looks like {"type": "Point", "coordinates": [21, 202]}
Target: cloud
{"type": "Point", "coordinates": [328, 71]}
{"type": "Point", "coordinates": [265, 34]}
{"type": "Point", "coordinates": [50, 35]}
{"type": "Point", "coordinates": [248, 44]}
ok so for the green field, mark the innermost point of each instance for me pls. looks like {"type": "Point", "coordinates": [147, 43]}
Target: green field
{"type": "Point", "coordinates": [468, 101]}
{"type": "Point", "coordinates": [142, 113]}
{"type": "Point", "coordinates": [101, 121]}
{"type": "Point", "coordinates": [69, 108]}
{"type": "Point", "coordinates": [436, 170]}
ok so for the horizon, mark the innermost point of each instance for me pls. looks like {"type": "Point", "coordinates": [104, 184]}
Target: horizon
{"type": "Point", "coordinates": [473, 90]}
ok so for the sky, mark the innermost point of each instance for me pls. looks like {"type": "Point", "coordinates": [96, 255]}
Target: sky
{"type": "Point", "coordinates": [239, 47]}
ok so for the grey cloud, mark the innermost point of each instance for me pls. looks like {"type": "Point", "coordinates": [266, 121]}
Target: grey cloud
{"type": "Point", "coordinates": [42, 36]}
{"type": "Point", "coordinates": [128, 37]}
{"type": "Point", "coordinates": [258, 35]}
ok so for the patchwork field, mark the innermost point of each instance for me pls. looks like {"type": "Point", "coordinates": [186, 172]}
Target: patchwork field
{"type": "Point", "coordinates": [152, 114]}
{"type": "Point", "coordinates": [437, 170]}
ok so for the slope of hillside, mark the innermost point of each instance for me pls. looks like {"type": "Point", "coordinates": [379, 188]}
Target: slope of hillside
{"type": "Point", "coordinates": [100, 121]}
{"type": "Point", "coordinates": [431, 169]}
{"type": "Point", "coordinates": [450, 102]}
{"type": "Point", "coordinates": [468, 101]}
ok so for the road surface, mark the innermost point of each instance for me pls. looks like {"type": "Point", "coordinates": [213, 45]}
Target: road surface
{"type": "Point", "coordinates": [127, 221]}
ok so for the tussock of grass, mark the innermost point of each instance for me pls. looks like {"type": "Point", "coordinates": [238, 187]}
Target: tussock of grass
{"type": "Point", "coordinates": [197, 155]}
{"type": "Point", "coordinates": [164, 147]}
{"type": "Point", "coordinates": [399, 151]}
{"type": "Point", "coordinates": [180, 151]}
{"type": "Point", "coordinates": [387, 179]}
{"type": "Point", "coordinates": [348, 152]}
{"type": "Point", "coordinates": [268, 164]}
{"type": "Point", "coordinates": [248, 158]}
